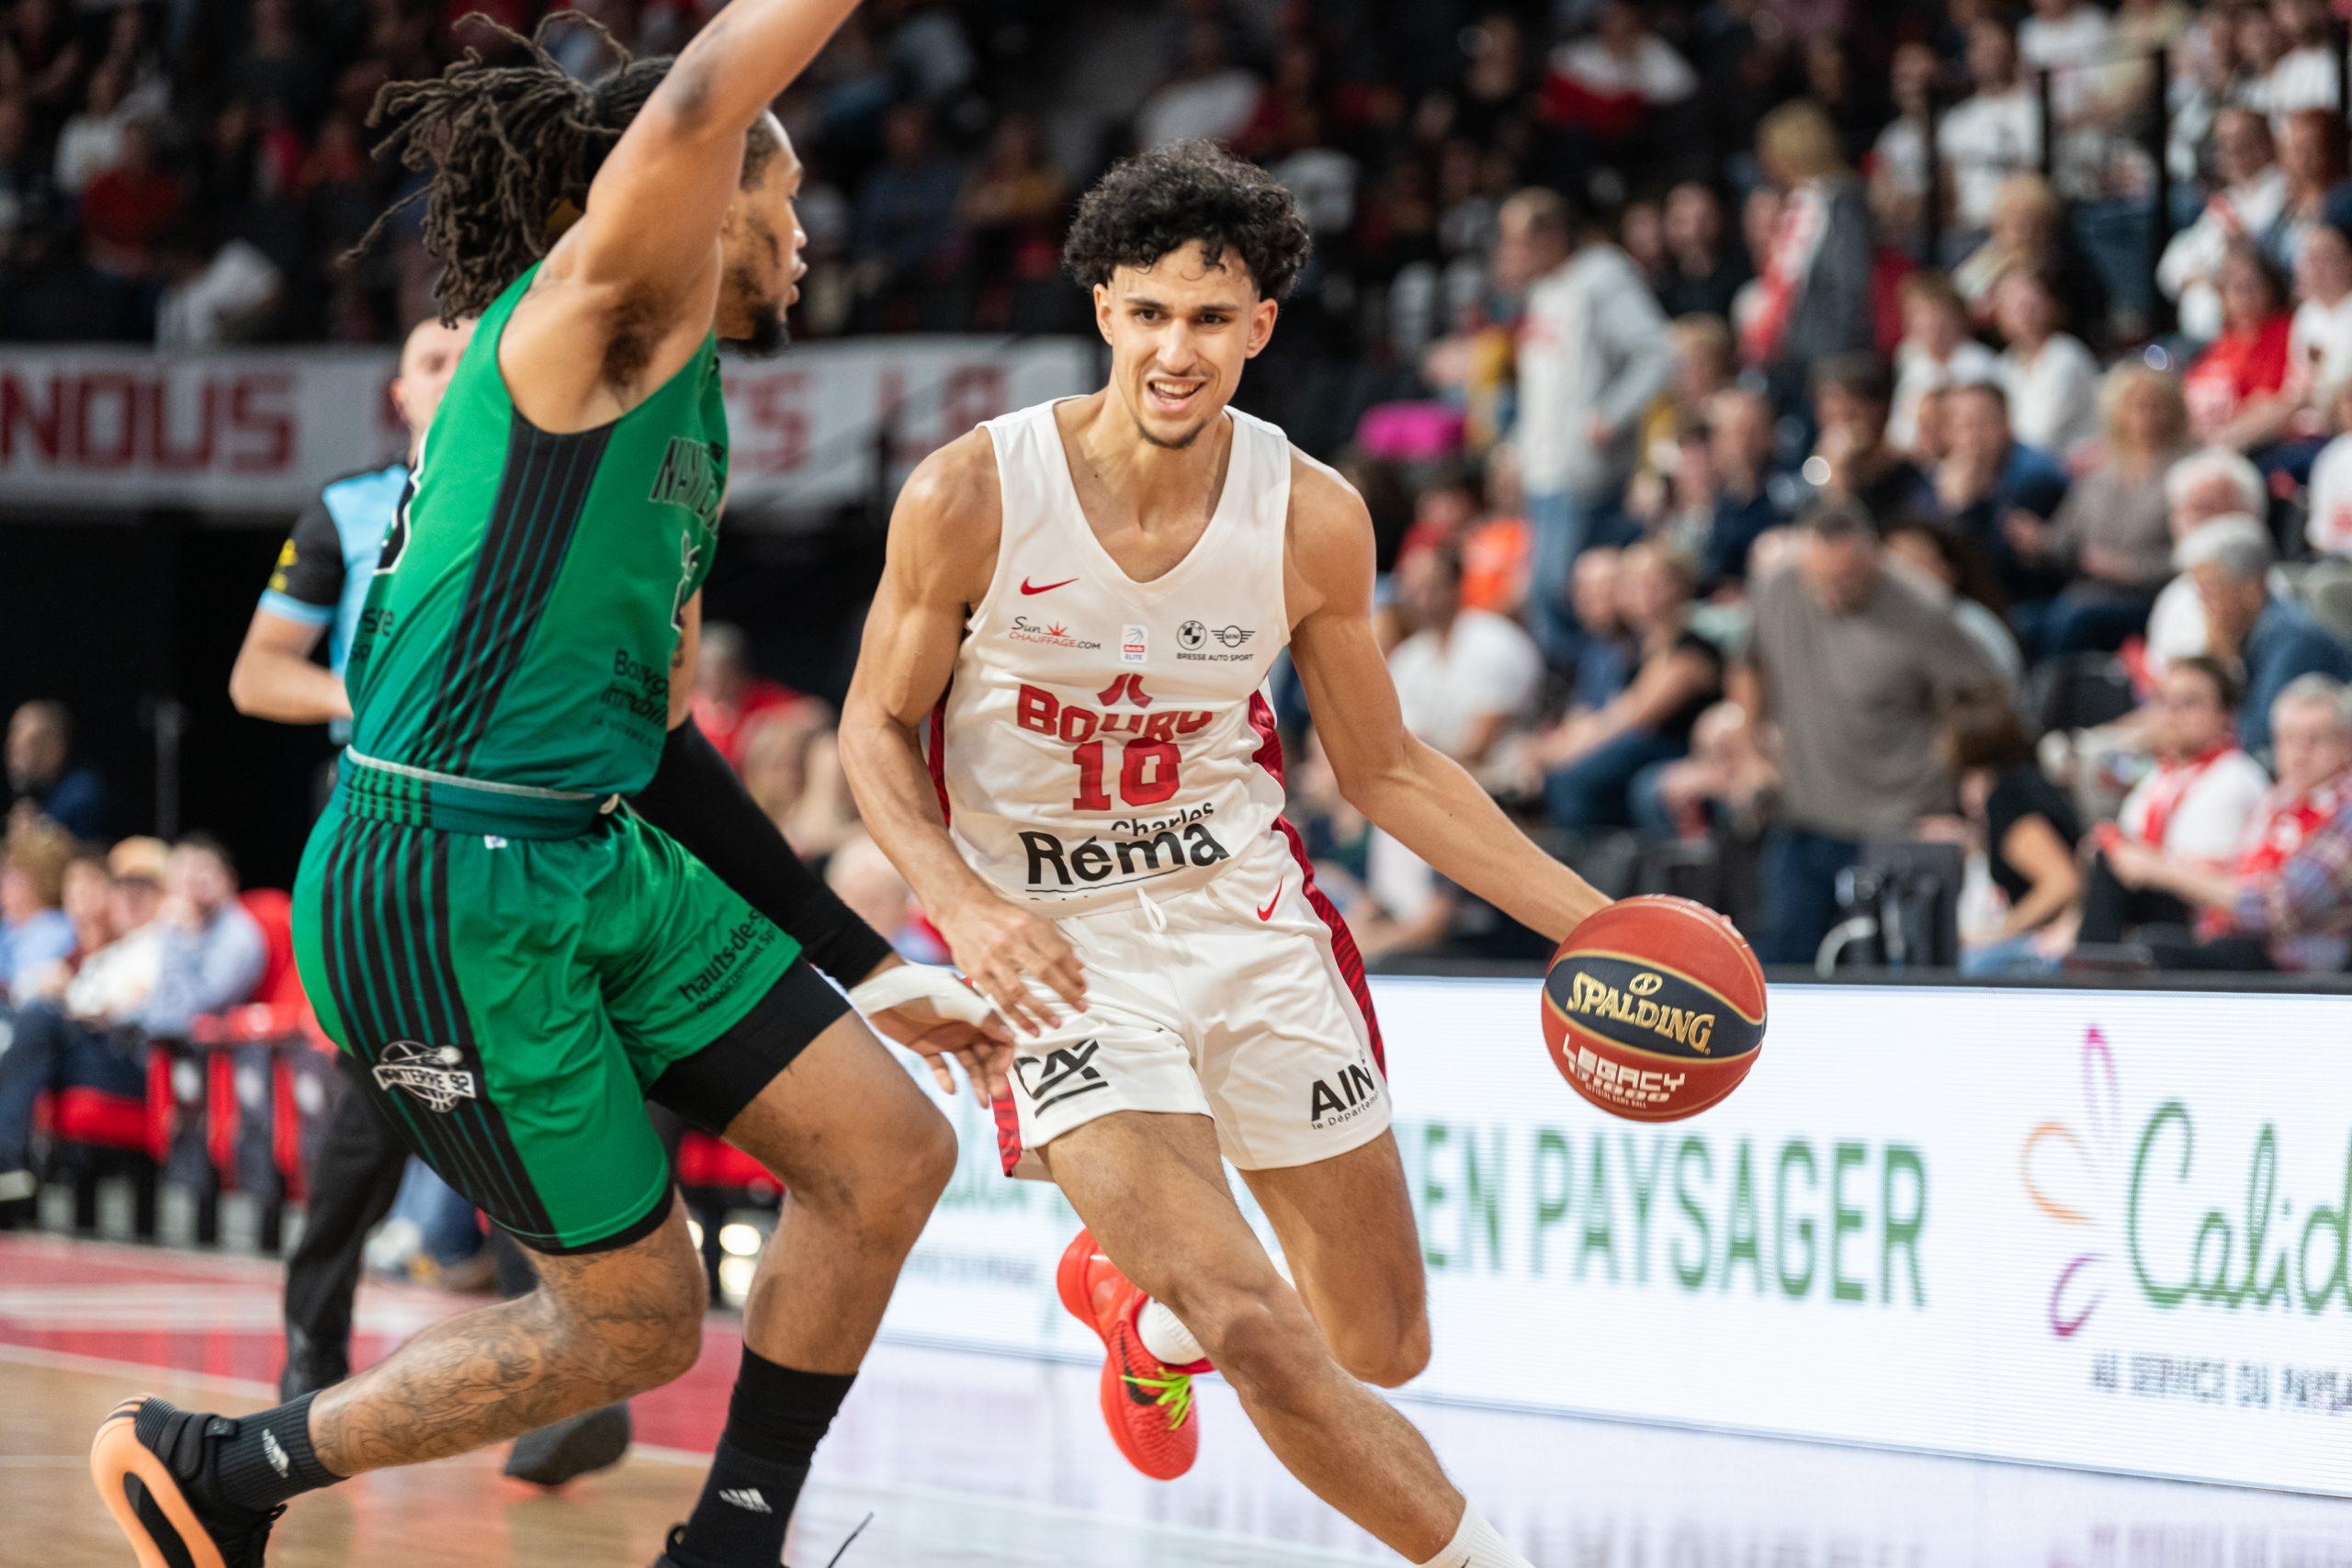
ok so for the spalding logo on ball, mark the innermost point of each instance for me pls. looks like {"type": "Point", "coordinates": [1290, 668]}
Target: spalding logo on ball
{"type": "Point", "coordinates": [1654, 1009]}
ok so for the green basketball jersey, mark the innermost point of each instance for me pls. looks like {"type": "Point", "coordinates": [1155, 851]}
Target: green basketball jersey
{"type": "Point", "coordinates": [523, 616]}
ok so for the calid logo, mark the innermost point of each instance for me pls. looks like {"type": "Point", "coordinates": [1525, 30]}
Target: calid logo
{"type": "Point", "coordinates": [1062, 1073]}
{"type": "Point", "coordinates": [430, 1074]}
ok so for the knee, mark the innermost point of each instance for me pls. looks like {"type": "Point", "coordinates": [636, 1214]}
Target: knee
{"type": "Point", "coordinates": [1391, 1356]}
{"type": "Point", "coordinates": [887, 1194]}
{"type": "Point", "coordinates": [1260, 1338]}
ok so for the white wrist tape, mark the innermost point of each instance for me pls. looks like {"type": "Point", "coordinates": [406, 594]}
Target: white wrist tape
{"type": "Point", "coordinates": [932, 983]}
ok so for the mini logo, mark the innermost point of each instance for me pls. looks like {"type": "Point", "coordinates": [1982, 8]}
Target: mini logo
{"type": "Point", "coordinates": [275, 1452]}
{"type": "Point", "coordinates": [1267, 912]}
{"type": "Point", "coordinates": [1233, 636]}
{"type": "Point", "coordinates": [1192, 634]}
{"type": "Point", "coordinates": [1646, 984]}
{"type": "Point", "coordinates": [429, 1073]}
{"type": "Point", "coordinates": [1134, 645]}
{"type": "Point", "coordinates": [747, 1498]}
{"type": "Point", "coordinates": [1028, 587]}
{"type": "Point", "coordinates": [1062, 1073]}
{"type": "Point", "coordinates": [1343, 1097]}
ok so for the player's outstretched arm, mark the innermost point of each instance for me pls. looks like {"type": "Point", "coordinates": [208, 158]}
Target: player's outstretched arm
{"type": "Point", "coordinates": [1416, 792]}
{"type": "Point", "coordinates": [652, 221]}
{"type": "Point", "coordinates": [943, 547]}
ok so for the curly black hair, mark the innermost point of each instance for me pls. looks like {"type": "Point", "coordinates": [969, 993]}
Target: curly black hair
{"type": "Point", "coordinates": [1158, 201]}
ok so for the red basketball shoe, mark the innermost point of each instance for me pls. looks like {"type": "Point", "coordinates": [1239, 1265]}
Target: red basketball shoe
{"type": "Point", "coordinates": [1147, 1403]}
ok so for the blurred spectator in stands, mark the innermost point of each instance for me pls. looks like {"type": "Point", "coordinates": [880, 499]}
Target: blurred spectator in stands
{"type": "Point", "coordinates": [1898, 161]}
{"type": "Point", "coordinates": [1813, 289]}
{"type": "Point", "coordinates": [131, 210]}
{"type": "Point", "coordinates": [1208, 95]}
{"type": "Point", "coordinates": [792, 769]}
{"type": "Point", "coordinates": [41, 55]}
{"type": "Point", "coordinates": [91, 142]}
{"type": "Point", "coordinates": [2026, 829]}
{"type": "Point", "coordinates": [1465, 677]}
{"type": "Point", "coordinates": [35, 932]}
{"type": "Point", "coordinates": [2232, 385]}
{"type": "Point", "coordinates": [867, 881]}
{"type": "Point", "coordinates": [199, 951]}
{"type": "Point", "coordinates": [1952, 571]}
{"type": "Point", "coordinates": [1593, 352]}
{"type": "Point", "coordinates": [1606, 90]}
{"type": "Point", "coordinates": [2256, 913]}
{"type": "Point", "coordinates": [2310, 153]}
{"type": "Point", "coordinates": [1597, 764]}
{"type": "Point", "coordinates": [2192, 810]}
{"type": "Point", "coordinates": [1997, 492]}
{"type": "Point", "coordinates": [1853, 461]}
{"type": "Point", "coordinates": [906, 232]}
{"type": "Point", "coordinates": [2203, 488]}
{"type": "Point", "coordinates": [1703, 268]}
{"type": "Point", "coordinates": [278, 70]}
{"type": "Point", "coordinates": [1012, 206]}
{"type": "Point", "coordinates": [2283, 430]}
{"type": "Point", "coordinates": [43, 778]}
{"type": "Point", "coordinates": [2249, 193]}
{"type": "Point", "coordinates": [2028, 234]}
{"type": "Point", "coordinates": [2052, 380]}
{"type": "Point", "coordinates": [1849, 666]}
{"type": "Point", "coordinates": [730, 697]}
{"type": "Point", "coordinates": [2068, 39]}
{"type": "Point", "coordinates": [1993, 135]}
{"type": "Point", "coordinates": [2273, 639]}
{"type": "Point", "coordinates": [1937, 353]}
{"type": "Point", "coordinates": [2112, 535]}
{"type": "Point", "coordinates": [1605, 652]}
{"type": "Point", "coordinates": [1750, 493]}
{"type": "Point", "coordinates": [2328, 527]}
{"type": "Point", "coordinates": [2304, 81]}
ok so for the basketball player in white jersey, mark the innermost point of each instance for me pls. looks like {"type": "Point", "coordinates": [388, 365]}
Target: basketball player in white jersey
{"type": "Point", "coordinates": [1081, 603]}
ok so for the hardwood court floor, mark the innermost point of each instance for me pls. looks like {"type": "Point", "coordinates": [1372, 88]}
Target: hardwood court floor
{"type": "Point", "coordinates": [982, 1461]}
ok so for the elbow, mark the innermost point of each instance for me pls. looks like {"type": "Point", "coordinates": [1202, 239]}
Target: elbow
{"type": "Point", "coordinates": [245, 685]}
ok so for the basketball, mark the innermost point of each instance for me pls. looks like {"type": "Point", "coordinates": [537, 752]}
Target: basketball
{"type": "Point", "coordinates": [1654, 1009]}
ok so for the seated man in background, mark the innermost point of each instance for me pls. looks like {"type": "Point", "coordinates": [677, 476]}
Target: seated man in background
{"type": "Point", "coordinates": [1597, 764]}
{"type": "Point", "coordinates": [190, 952]}
{"type": "Point", "coordinates": [43, 778]}
{"type": "Point", "coordinates": [2273, 639]}
{"type": "Point", "coordinates": [2204, 487]}
{"type": "Point", "coordinates": [2190, 811]}
{"type": "Point", "coordinates": [2250, 915]}
{"type": "Point", "coordinates": [1994, 489]}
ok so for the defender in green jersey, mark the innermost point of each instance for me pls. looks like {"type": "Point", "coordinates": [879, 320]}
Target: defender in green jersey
{"type": "Point", "coordinates": [492, 918]}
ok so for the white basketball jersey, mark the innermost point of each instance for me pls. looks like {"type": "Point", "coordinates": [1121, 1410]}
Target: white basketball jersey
{"type": "Point", "coordinates": [1102, 735]}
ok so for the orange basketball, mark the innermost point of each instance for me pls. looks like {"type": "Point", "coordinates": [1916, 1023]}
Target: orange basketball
{"type": "Point", "coordinates": [1654, 1009]}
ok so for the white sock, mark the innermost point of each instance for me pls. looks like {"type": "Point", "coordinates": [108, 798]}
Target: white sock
{"type": "Point", "coordinates": [1476, 1545]}
{"type": "Point", "coordinates": [1165, 1336]}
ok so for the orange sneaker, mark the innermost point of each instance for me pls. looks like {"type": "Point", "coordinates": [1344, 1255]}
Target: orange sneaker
{"type": "Point", "coordinates": [1147, 1403]}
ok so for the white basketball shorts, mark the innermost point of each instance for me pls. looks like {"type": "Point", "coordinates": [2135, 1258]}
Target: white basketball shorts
{"type": "Point", "coordinates": [1242, 1000]}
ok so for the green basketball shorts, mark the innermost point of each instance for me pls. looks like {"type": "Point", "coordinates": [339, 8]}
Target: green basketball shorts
{"type": "Point", "coordinates": [520, 972]}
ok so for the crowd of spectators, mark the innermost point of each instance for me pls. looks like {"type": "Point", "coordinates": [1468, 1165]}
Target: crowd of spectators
{"type": "Point", "coordinates": [1797, 429]}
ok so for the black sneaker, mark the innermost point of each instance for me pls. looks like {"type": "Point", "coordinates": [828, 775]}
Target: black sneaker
{"type": "Point", "coordinates": [678, 1534]}
{"type": "Point", "coordinates": [153, 1465]}
{"type": "Point", "coordinates": [567, 1449]}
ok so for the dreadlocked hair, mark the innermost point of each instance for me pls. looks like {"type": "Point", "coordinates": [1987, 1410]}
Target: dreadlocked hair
{"type": "Point", "coordinates": [511, 150]}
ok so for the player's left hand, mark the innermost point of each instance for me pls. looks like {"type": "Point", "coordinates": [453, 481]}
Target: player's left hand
{"type": "Point", "coordinates": [946, 1019]}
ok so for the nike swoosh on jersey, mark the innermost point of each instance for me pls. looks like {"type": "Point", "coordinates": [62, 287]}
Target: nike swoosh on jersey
{"type": "Point", "coordinates": [1029, 587]}
{"type": "Point", "coordinates": [1267, 912]}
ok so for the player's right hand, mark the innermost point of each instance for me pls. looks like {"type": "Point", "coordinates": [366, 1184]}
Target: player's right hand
{"type": "Point", "coordinates": [1003, 947]}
